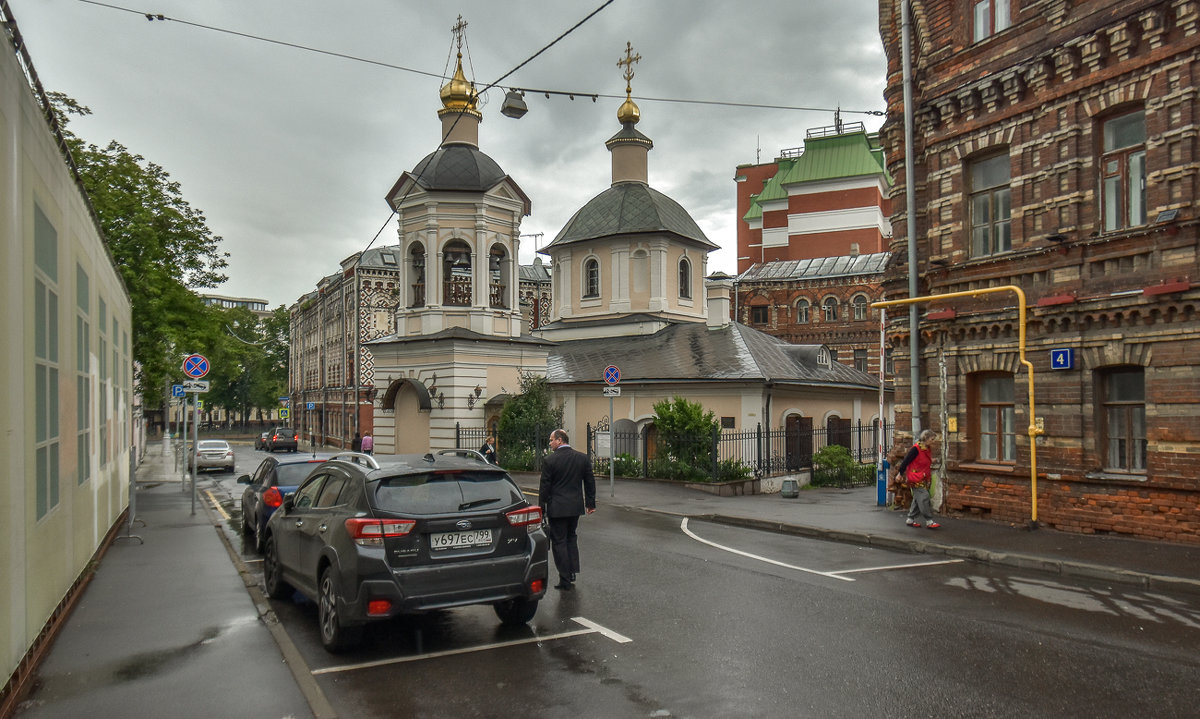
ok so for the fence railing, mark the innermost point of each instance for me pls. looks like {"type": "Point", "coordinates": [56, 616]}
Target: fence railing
{"type": "Point", "coordinates": [717, 456]}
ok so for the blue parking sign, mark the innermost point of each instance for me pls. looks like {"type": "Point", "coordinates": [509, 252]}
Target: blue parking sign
{"type": "Point", "coordinates": [1062, 358]}
{"type": "Point", "coordinates": [176, 390]}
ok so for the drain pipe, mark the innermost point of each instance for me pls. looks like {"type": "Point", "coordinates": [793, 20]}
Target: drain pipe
{"type": "Point", "coordinates": [910, 211]}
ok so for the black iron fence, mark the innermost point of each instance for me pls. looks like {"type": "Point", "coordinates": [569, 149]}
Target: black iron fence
{"type": "Point", "coordinates": [719, 456]}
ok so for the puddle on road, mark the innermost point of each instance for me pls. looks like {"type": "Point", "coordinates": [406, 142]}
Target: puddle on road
{"type": "Point", "coordinates": [1139, 605]}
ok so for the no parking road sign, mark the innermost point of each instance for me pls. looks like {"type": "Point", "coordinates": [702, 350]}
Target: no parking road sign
{"type": "Point", "coordinates": [612, 375]}
{"type": "Point", "coordinates": [195, 366]}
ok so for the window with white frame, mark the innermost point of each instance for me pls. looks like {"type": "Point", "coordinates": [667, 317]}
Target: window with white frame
{"type": "Point", "coordinates": [1123, 171]}
{"type": "Point", "coordinates": [995, 396]}
{"type": "Point", "coordinates": [685, 279]}
{"type": "Point", "coordinates": [591, 278]}
{"type": "Point", "coordinates": [860, 307]}
{"type": "Point", "coordinates": [1123, 421]}
{"type": "Point", "coordinates": [802, 312]}
{"type": "Point", "coordinates": [83, 376]}
{"type": "Point", "coordinates": [830, 308]}
{"type": "Point", "coordinates": [990, 17]}
{"type": "Point", "coordinates": [991, 206]}
{"type": "Point", "coordinates": [860, 360]}
{"type": "Point", "coordinates": [45, 363]}
{"type": "Point", "coordinates": [102, 397]}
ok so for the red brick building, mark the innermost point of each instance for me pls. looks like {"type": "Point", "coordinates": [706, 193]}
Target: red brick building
{"type": "Point", "coordinates": [1055, 150]}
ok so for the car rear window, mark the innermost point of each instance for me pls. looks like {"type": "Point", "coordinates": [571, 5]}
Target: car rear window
{"type": "Point", "coordinates": [290, 474]}
{"type": "Point", "coordinates": [442, 492]}
{"type": "Point", "coordinates": [284, 430]}
{"type": "Point", "coordinates": [213, 444]}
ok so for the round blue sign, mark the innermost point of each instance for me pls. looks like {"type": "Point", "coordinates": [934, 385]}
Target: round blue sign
{"type": "Point", "coordinates": [195, 366]}
{"type": "Point", "coordinates": [612, 375]}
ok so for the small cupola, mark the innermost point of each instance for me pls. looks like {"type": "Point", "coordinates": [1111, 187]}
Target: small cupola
{"type": "Point", "coordinates": [629, 148]}
{"type": "Point", "coordinates": [460, 113]}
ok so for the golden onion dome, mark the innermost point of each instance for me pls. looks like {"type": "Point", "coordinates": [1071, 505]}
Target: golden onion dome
{"type": "Point", "coordinates": [629, 112]}
{"type": "Point", "coordinates": [459, 93]}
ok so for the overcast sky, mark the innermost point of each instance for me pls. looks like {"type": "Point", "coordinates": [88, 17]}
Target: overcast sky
{"type": "Point", "coordinates": [289, 153]}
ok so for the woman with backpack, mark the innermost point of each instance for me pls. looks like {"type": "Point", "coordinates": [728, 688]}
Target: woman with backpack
{"type": "Point", "coordinates": [916, 469]}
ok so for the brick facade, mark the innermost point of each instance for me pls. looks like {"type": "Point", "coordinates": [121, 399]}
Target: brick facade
{"type": "Point", "coordinates": [1109, 273]}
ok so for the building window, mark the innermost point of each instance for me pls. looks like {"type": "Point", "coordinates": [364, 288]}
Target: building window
{"type": "Point", "coordinates": [991, 16]}
{"type": "Point", "coordinates": [889, 362]}
{"type": "Point", "coordinates": [997, 418]}
{"type": "Point", "coordinates": [860, 360]}
{"type": "Point", "coordinates": [102, 377]}
{"type": "Point", "coordinates": [685, 279]}
{"type": "Point", "coordinates": [45, 363]}
{"type": "Point", "coordinates": [830, 307]}
{"type": "Point", "coordinates": [860, 307]}
{"type": "Point", "coordinates": [457, 274]}
{"type": "Point", "coordinates": [802, 312]}
{"type": "Point", "coordinates": [1124, 419]}
{"type": "Point", "coordinates": [991, 208]}
{"type": "Point", "coordinates": [759, 314]}
{"type": "Point", "coordinates": [591, 278]}
{"type": "Point", "coordinates": [1123, 171]}
{"type": "Point", "coordinates": [83, 376]}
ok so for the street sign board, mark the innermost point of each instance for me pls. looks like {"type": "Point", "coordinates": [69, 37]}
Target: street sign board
{"type": "Point", "coordinates": [284, 401]}
{"type": "Point", "coordinates": [176, 390]}
{"type": "Point", "coordinates": [284, 413]}
{"type": "Point", "coordinates": [612, 391]}
{"type": "Point", "coordinates": [612, 375]}
{"type": "Point", "coordinates": [311, 405]}
{"type": "Point", "coordinates": [195, 366]}
{"type": "Point", "coordinates": [196, 385]}
{"type": "Point", "coordinates": [1062, 358]}
{"type": "Point", "coordinates": [199, 403]}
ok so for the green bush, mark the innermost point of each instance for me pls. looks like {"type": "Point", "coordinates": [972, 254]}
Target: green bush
{"type": "Point", "coordinates": [834, 466]}
{"type": "Point", "coordinates": [667, 468]}
{"type": "Point", "coordinates": [732, 470]}
{"type": "Point", "coordinates": [628, 465]}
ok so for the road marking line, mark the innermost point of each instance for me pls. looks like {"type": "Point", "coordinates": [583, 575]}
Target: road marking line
{"type": "Point", "coordinates": [831, 575]}
{"type": "Point", "coordinates": [216, 504]}
{"type": "Point", "coordinates": [619, 638]}
{"type": "Point", "coordinates": [898, 566]}
{"type": "Point", "coordinates": [591, 629]}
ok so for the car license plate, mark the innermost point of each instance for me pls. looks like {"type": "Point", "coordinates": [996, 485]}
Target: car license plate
{"type": "Point", "coordinates": [454, 540]}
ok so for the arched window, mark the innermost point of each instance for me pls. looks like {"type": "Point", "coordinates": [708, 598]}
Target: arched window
{"type": "Point", "coordinates": [685, 279]}
{"type": "Point", "coordinates": [417, 260]}
{"type": "Point", "coordinates": [860, 307]}
{"type": "Point", "coordinates": [802, 312]}
{"type": "Point", "coordinates": [456, 274]}
{"type": "Point", "coordinates": [498, 269]}
{"type": "Point", "coordinates": [591, 278]}
{"type": "Point", "coordinates": [830, 306]}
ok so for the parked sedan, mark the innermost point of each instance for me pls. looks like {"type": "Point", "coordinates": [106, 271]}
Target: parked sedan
{"type": "Point", "coordinates": [369, 538]}
{"type": "Point", "coordinates": [260, 442]}
{"type": "Point", "coordinates": [266, 488]}
{"type": "Point", "coordinates": [212, 454]}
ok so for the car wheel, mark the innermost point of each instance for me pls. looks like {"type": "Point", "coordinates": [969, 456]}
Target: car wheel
{"type": "Point", "coordinates": [516, 611]}
{"type": "Point", "coordinates": [273, 573]}
{"type": "Point", "coordinates": [335, 635]}
{"type": "Point", "coordinates": [258, 538]}
{"type": "Point", "coordinates": [246, 528]}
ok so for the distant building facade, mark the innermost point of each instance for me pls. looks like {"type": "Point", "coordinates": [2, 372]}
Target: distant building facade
{"type": "Point", "coordinates": [1055, 150]}
{"type": "Point", "coordinates": [68, 428]}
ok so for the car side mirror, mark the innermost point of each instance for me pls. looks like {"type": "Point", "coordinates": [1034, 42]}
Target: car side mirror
{"type": "Point", "coordinates": [244, 479]}
{"type": "Point", "coordinates": [289, 501]}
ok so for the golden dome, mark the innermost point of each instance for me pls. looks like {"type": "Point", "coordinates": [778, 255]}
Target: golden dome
{"type": "Point", "coordinates": [629, 112]}
{"type": "Point", "coordinates": [458, 94]}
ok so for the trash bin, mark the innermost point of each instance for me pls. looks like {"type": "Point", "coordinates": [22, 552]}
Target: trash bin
{"type": "Point", "coordinates": [790, 488]}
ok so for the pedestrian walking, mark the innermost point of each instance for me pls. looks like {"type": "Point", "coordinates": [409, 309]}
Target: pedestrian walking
{"type": "Point", "coordinates": [368, 444]}
{"type": "Point", "coordinates": [916, 469]}
{"type": "Point", "coordinates": [488, 450]}
{"type": "Point", "coordinates": [568, 489]}
{"type": "Point", "coordinates": [356, 443]}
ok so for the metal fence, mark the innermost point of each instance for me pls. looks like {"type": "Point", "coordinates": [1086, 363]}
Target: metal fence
{"type": "Point", "coordinates": [718, 456]}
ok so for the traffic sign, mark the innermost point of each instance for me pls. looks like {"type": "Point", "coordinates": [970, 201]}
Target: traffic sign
{"type": "Point", "coordinates": [283, 401]}
{"type": "Point", "coordinates": [612, 391]}
{"type": "Point", "coordinates": [176, 390]}
{"type": "Point", "coordinates": [311, 405]}
{"type": "Point", "coordinates": [199, 403]}
{"type": "Point", "coordinates": [612, 375]}
{"type": "Point", "coordinates": [284, 413]}
{"type": "Point", "coordinates": [1062, 358]}
{"type": "Point", "coordinates": [195, 366]}
{"type": "Point", "coordinates": [196, 385]}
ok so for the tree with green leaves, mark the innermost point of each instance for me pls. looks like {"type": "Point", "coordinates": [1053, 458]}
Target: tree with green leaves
{"type": "Point", "coordinates": [160, 244]}
{"type": "Point", "coordinates": [526, 421]}
{"type": "Point", "coordinates": [685, 432]}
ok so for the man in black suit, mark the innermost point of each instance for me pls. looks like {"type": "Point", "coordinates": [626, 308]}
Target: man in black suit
{"type": "Point", "coordinates": [568, 489]}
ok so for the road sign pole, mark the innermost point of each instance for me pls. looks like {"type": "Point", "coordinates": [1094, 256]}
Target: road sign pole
{"type": "Point", "coordinates": [612, 451]}
{"type": "Point", "coordinates": [195, 444]}
{"type": "Point", "coordinates": [184, 450]}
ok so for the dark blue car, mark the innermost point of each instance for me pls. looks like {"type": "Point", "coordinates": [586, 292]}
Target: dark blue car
{"type": "Point", "coordinates": [274, 479]}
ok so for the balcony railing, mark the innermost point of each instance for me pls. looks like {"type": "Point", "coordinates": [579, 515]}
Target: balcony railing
{"type": "Point", "coordinates": [496, 294]}
{"type": "Point", "coordinates": [457, 293]}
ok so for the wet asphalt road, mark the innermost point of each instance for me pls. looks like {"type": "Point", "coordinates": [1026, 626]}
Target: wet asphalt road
{"type": "Point", "coordinates": [675, 619]}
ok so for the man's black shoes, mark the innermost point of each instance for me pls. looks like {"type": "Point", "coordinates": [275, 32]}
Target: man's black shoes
{"type": "Point", "coordinates": [564, 584]}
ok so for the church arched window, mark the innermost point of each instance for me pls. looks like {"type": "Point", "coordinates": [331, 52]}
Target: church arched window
{"type": "Point", "coordinates": [591, 277]}
{"type": "Point", "coordinates": [685, 279]}
{"type": "Point", "coordinates": [802, 312]}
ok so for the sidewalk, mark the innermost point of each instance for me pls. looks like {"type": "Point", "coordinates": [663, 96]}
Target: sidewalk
{"type": "Point", "coordinates": [851, 515]}
{"type": "Point", "coordinates": [166, 627]}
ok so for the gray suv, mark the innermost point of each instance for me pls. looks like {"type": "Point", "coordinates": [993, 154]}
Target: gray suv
{"type": "Point", "coordinates": [369, 538]}
{"type": "Point", "coordinates": [282, 438]}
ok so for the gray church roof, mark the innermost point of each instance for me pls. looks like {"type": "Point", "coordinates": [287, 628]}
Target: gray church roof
{"type": "Point", "coordinates": [820, 267]}
{"type": "Point", "coordinates": [694, 352]}
{"type": "Point", "coordinates": [629, 207]}
{"type": "Point", "coordinates": [458, 167]}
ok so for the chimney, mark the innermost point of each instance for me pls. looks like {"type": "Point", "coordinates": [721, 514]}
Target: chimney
{"type": "Point", "coordinates": [717, 288]}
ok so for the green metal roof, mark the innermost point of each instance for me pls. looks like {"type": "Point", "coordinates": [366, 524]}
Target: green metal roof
{"type": "Point", "coordinates": [755, 212]}
{"type": "Point", "coordinates": [829, 158]}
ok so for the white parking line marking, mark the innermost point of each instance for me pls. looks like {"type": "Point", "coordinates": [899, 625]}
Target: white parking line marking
{"type": "Point", "coordinates": [591, 628]}
{"type": "Point", "coordinates": [619, 638]}
{"type": "Point", "coordinates": [688, 532]}
{"type": "Point", "coordinates": [898, 566]}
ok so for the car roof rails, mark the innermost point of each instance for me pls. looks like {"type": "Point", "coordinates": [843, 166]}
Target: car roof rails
{"type": "Point", "coordinates": [359, 458]}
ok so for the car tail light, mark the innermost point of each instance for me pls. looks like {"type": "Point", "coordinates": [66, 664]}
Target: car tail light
{"type": "Point", "coordinates": [371, 532]}
{"type": "Point", "coordinates": [229, 453]}
{"type": "Point", "coordinates": [530, 517]}
{"type": "Point", "coordinates": [537, 586]}
{"type": "Point", "coordinates": [296, 437]}
{"type": "Point", "coordinates": [274, 437]}
{"type": "Point", "coordinates": [375, 607]}
{"type": "Point", "coordinates": [272, 498]}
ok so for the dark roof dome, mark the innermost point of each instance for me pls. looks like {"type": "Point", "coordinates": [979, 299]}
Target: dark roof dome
{"type": "Point", "coordinates": [458, 167]}
{"type": "Point", "coordinates": [630, 207]}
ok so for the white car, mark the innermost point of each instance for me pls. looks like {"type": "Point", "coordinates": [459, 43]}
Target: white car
{"type": "Point", "coordinates": [213, 454]}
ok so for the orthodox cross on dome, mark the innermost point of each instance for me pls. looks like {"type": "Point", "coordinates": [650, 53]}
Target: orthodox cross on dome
{"type": "Point", "coordinates": [458, 30]}
{"type": "Point", "coordinates": [628, 62]}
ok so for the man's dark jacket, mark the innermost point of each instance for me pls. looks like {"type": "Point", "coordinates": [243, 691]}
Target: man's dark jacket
{"type": "Point", "coordinates": [566, 477]}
